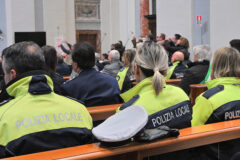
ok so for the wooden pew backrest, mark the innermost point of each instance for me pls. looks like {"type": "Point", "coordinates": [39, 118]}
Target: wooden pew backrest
{"type": "Point", "coordinates": [196, 90]}
{"type": "Point", "coordinates": [188, 138]}
{"type": "Point", "coordinates": [173, 81]}
{"type": "Point", "coordinates": [102, 112]}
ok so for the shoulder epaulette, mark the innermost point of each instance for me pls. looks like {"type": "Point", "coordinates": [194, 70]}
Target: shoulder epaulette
{"type": "Point", "coordinates": [209, 93]}
{"type": "Point", "coordinates": [130, 102]}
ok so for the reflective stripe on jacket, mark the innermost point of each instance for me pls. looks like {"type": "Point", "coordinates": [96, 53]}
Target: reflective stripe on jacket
{"type": "Point", "coordinates": [35, 119]}
{"type": "Point", "coordinates": [171, 107]}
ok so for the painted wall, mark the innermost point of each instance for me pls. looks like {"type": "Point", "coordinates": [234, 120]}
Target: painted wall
{"type": "Point", "coordinates": [225, 24]}
{"type": "Point", "coordinates": [202, 32]}
{"type": "Point", "coordinates": [59, 20]}
{"type": "Point", "coordinates": [15, 22]}
{"type": "Point", "coordinates": [175, 17]}
{"type": "Point", "coordinates": [117, 22]}
{"type": "Point", "coordinates": [39, 19]}
{"type": "Point", "coordinates": [3, 25]}
{"type": "Point", "coordinates": [23, 15]}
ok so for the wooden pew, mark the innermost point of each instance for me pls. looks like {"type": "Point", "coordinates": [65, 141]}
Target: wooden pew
{"type": "Point", "coordinates": [66, 78]}
{"type": "Point", "coordinates": [196, 90]}
{"type": "Point", "coordinates": [102, 112]}
{"type": "Point", "coordinates": [188, 138]}
{"type": "Point", "coordinates": [134, 83]}
{"type": "Point", "coordinates": [173, 81]}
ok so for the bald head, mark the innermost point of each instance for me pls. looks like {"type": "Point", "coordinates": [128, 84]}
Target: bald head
{"type": "Point", "coordinates": [177, 56]}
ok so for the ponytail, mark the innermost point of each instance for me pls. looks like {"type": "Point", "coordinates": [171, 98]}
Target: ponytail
{"type": "Point", "coordinates": [157, 81]}
{"type": "Point", "coordinates": [153, 61]}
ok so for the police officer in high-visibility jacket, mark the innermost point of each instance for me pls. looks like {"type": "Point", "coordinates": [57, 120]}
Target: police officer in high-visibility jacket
{"type": "Point", "coordinates": [178, 68]}
{"type": "Point", "coordinates": [165, 104]}
{"type": "Point", "coordinates": [126, 74]}
{"type": "Point", "coordinates": [221, 102]}
{"type": "Point", "coordinates": [33, 117]}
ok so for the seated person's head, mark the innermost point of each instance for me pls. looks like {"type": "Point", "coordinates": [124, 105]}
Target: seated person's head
{"type": "Point", "coordinates": [83, 56]}
{"type": "Point", "coordinates": [120, 42]}
{"type": "Point", "coordinates": [151, 60]}
{"type": "Point", "coordinates": [149, 37]}
{"type": "Point", "coordinates": [104, 56]}
{"type": "Point", "coordinates": [20, 58]}
{"type": "Point", "coordinates": [226, 63]}
{"type": "Point", "coordinates": [177, 56]}
{"type": "Point", "coordinates": [176, 37]}
{"type": "Point", "coordinates": [128, 57]}
{"type": "Point", "coordinates": [201, 53]}
{"type": "Point", "coordinates": [112, 46]}
{"type": "Point", "coordinates": [50, 55]}
{"type": "Point", "coordinates": [113, 55]}
{"type": "Point", "coordinates": [161, 37]}
{"type": "Point", "coordinates": [183, 42]}
{"type": "Point", "coordinates": [235, 43]}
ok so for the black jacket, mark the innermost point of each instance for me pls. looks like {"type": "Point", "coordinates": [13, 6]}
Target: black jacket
{"type": "Point", "coordinates": [64, 69]}
{"type": "Point", "coordinates": [171, 48]}
{"type": "Point", "coordinates": [194, 75]}
{"type": "Point", "coordinates": [93, 88]}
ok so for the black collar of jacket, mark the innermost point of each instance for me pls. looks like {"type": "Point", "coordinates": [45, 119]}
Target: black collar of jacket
{"type": "Point", "coordinates": [5, 97]}
{"type": "Point", "coordinates": [204, 62]}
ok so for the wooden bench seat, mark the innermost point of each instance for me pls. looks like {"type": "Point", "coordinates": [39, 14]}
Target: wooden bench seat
{"type": "Point", "coordinates": [189, 138]}
{"type": "Point", "coordinates": [102, 112]}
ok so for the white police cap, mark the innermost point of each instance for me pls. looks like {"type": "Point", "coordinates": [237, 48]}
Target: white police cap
{"type": "Point", "coordinates": [122, 126]}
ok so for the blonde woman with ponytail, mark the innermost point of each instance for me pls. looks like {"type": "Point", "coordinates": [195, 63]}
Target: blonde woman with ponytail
{"type": "Point", "coordinates": [165, 104]}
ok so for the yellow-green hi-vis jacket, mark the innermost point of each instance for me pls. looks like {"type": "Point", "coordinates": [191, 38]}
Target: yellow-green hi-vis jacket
{"type": "Point", "coordinates": [121, 77]}
{"type": "Point", "coordinates": [33, 118]}
{"type": "Point", "coordinates": [221, 102]}
{"type": "Point", "coordinates": [171, 107]}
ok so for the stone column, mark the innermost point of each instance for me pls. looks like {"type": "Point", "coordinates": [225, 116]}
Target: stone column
{"type": "Point", "coordinates": [144, 10]}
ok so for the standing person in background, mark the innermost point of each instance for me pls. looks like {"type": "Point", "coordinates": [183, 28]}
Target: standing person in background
{"type": "Point", "coordinates": [50, 55]}
{"type": "Point", "coordinates": [126, 74]}
{"type": "Point", "coordinates": [199, 71]}
{"type": "Point", "coordinates": [171, 46]}
{"type": "Point", "coordinates": [161, 39]}
{"type": "Point", "coordinates": [183, 45]}
{"type": "Point", "coordinates": [90, 86]}
{"type": "Point", "coordinates": [119, 47]}
{"type": "Point", "coordinates": [149, 37]}
{"type": "Point", "coordinates": [235, 43]}
{"type": "Point", "coordinates": [33, 117]}
{"type": "Point", "coordinates": [221, 102]}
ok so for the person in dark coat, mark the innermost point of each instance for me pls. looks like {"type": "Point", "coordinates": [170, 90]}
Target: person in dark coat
{"type": "Point", "coordinates": [235, 43]}
{"type": "Point", "coordinates": [199, 70]}
{"type": "Point", "coordinates": [62, 68]}
{"type": "Point", "coordinates": [178, 68]}
{"type": "Point", "coordinates": [91, 87]}
{"type": "Point", "coordinates": [105, 60]}
{"type": "Point", "coordinates": [181, 44]}
{"type": "Point", "coordinates": [115, 64]}
{"type": "Point", "coordinates": [50, 55]}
